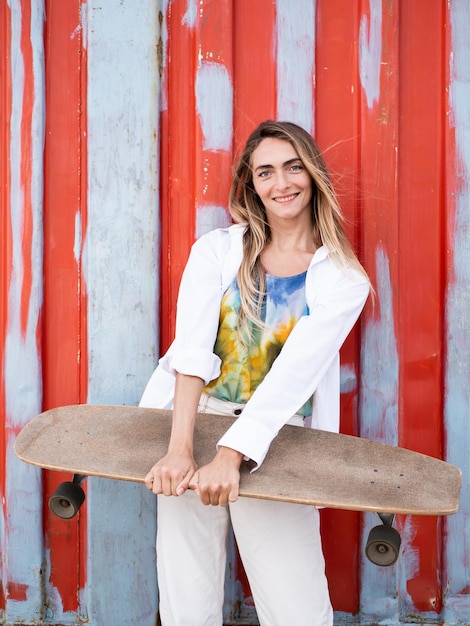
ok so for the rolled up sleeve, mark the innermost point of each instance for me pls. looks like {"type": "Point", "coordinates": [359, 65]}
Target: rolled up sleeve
{"type": "Point", "coordinates": [198, 312]}
{"type": "Point", "coordinates": [193, 362]}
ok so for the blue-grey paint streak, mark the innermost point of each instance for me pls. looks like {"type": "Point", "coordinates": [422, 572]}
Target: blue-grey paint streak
{"type": "Point", "coordinates": [379, 365]}
{"type": "Point", "coordinates": [370, 52]}
{"type": "Point", "coordinates": [348, 379]}
{"type": "Point", "coordinates": [209, 217]}
{"type": "Point", "coordinates": [189, 18]}
{"type": "Point", "coordinates": [121, 274]}
{"type": "Point", "coordinates": [214, 103]}
{"type": "Point", "coordinates": [457, 383]}
{"type": "Point", "coordinates": [77, 240]}
{"type": "Point", "coordinates": [21, 538]}
{"type": "Point", "coordinates": [295, 58]}
{"type": "Point", "coordinates": [378, 414]}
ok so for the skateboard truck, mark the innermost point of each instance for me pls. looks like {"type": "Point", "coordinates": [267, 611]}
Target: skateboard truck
{"type": "Point", "coordinates": [68, 498]}
{"type": "Point", "coordinates": [383, 542]}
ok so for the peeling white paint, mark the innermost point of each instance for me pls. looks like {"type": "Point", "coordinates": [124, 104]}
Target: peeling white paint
{"type": "Point", "coordinates": [77, 242]}
{"type": "Point", "coordinates": [409, 555]}
{"type": "Point", "coordinates": [120, 261]}
{"type": "Point", "coordinates": [379, 365]}
{"type": "Point", "coordinates": [295, 56]}
{"type": "Point", "coordinates": [379, 422]}
{"type": "Point", "coordinates": [214, 103]}
{"type": "Point", "coordinates": [209, 217]}
{"type": "Point", "coordinates": [457, 398]}
{"type": "Point", "coordinates": [370, 52]}
{"type": "Point", "coordinates": [84, 23]}
{"type": "Point", "coordinates": [121, 274]}
{"type": "Point", "coordinates": [23, 533]}
{"type": "Point", "coordinates": [189, 18]}
{"type": "Point", "coordinates": [348, 379]}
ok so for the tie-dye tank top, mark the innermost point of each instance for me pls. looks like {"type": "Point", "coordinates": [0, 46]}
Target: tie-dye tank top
{"type": "Point", "coordinates": [244, 367]}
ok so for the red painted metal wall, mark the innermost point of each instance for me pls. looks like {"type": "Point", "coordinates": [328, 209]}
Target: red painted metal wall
{"type": "Point", "coordinates": [384, 87]}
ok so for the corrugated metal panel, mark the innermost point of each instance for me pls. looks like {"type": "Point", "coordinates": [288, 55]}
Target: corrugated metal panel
{"type": "Point", "coordinates": [384, 86]}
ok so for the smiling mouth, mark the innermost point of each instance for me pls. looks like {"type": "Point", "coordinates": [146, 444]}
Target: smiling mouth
{"type": "Point", "coordinates": [282, 199]}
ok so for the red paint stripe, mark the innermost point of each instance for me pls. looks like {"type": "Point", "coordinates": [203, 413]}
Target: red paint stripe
{"type": "Point", "coordinates": [337, 120]}
{"type": "Point", "coordinates": [453, 181]}
{"type": "Point", "coordinates": [178, 155]}
{"type": "Point", "coordinates": [64, 326]}
{"type": "Point", "coordinates": [254, 66]}
{"type": "Point", "coordinates": [26, 162]}
{"type": "Point", "coordinates": [16, 592]}
{"type": "Point", "coordinates": [421, 193]}
{"type": "Point", "coordinates": [215, 28]}
{"type": "Point", "coordinates": [5, 222]}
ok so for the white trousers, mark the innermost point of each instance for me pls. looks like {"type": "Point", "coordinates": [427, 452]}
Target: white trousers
{"type": "Point", "coordinates": [280, 547]}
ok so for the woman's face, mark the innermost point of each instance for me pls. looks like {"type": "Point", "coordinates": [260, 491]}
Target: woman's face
{"type": "Point", "coordinates": [282, 182]}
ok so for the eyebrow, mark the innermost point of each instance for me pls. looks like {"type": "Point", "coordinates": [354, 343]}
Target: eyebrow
{"type": "Point", "coordinates": [286, 163]}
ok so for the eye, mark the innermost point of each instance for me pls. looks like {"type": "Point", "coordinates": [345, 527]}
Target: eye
{"type": "Point", "coordinates": [296, 167]}
{"type": "Point", "coordinates": [263, 174]}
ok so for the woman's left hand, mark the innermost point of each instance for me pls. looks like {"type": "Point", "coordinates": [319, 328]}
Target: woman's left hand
{"type": "Point", "coordinates": [217, 482]}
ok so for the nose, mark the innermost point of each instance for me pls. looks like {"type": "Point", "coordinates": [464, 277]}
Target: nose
{"type": "Point", "coordinates": [282, 180]}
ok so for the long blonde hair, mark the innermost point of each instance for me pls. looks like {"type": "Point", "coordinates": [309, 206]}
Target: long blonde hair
{"type": "Point", "coordinates": [246, 207]}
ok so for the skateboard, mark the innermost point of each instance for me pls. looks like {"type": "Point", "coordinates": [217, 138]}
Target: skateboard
{"type": "Point", "coordinates": [303, 465]}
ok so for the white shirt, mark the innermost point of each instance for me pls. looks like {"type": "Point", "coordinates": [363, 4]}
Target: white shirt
{"type": "Point", "coordinates": [307, 365]}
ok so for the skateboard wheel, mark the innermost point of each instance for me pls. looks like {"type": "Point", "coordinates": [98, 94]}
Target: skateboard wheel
{"type": "Point", "coordinates": [383, 545]}
{"type": "Point", "coordinates": [67, 500]}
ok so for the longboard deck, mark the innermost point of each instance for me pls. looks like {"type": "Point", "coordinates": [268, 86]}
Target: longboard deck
{"type": "Point", "coordinates": [303, 465]}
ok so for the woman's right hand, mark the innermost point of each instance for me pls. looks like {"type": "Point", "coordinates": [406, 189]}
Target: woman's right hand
{"type": "Point", "coordinates": [172, 474]}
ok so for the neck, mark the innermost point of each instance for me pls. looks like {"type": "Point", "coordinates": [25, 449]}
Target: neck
{"type": "Point", "coordinates": [294, 240]}
{"type": "Point", "coordinates": [288, 253]}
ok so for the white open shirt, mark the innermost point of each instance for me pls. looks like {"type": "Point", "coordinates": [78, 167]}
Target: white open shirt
{"type": "Point", "coordinates": [307, 365]}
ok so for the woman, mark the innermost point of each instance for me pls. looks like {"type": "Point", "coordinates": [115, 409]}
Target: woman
{"type": "Point", "coordinates": [263, 309]}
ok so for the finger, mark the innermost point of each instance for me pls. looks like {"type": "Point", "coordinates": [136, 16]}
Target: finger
{"type": "Point", "coordinates": [194, 481]}
{"type": "Point", "coordinates": [217, 497]}
{"type": "Point", "coordinates": [148, 481]}
{"type": "Point", "coordinates": [221, 500]}
{"type": "Point", "coordinates": [204, 494]}
{"type": "Point", "coordinates": [168, 485]}
{"type": "Point", "coordinates": [233, 495]}
{"type": "Point", "coordinates": [152, 483]}
{"type": "Point", "coordinates": [227, 494]}
{"type": "Point", "coordinates": [190, 481]}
